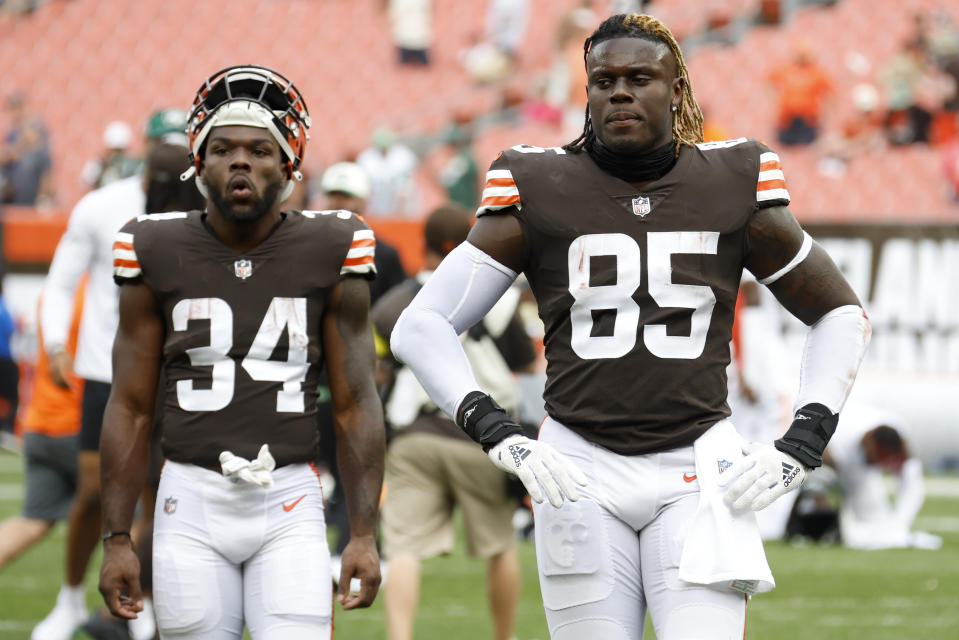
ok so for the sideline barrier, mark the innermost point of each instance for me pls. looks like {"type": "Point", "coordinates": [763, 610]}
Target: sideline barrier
{"type": "Point", "coordinates": [30, 237]}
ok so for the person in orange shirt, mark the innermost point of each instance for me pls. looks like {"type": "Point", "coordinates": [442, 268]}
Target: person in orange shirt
{"type": "Point", "coordinates": [51, 423]}
{"type": "Point", "coordinates": [803, 89]}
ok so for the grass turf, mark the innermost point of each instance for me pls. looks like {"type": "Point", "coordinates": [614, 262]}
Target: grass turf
{"type": "Point", "coordinates": [824, 592]}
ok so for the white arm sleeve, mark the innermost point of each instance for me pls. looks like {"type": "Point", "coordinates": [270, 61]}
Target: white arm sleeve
{"type": "Point", "coordinates": [912, 493]}
{"type": "Point", "coordinates": [458, 294]}
{"type": "Point", "coordinates": [71, 260]}
{"type": "Point", "coordinates": [834, 349]}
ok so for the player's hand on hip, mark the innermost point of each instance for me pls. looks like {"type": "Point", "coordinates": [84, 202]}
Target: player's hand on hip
{"type": "Point", "coordinates": [764, 474]}
{"type": "Point", "coordinates": [361, 562]}
{"type": "Point", "coordinates": [540, 467]}
{"type": "Point", "coordinates": [120, 578]}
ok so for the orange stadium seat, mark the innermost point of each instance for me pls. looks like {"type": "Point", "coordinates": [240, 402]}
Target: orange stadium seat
{"type": "Point", "coordinates": [86, 62]}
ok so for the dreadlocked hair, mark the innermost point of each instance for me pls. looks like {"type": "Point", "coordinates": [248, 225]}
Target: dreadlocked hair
{"type": "Point", "coordinates": [688, 119]}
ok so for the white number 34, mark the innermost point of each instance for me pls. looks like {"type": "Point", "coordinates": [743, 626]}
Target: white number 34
{"type": "Point", "coordinates": [619, 297]}
{"type": "Point", "coordinates": [284, 314]}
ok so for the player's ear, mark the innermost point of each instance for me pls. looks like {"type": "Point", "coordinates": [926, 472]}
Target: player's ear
{"type": "Point", "coordinates": [679, 84]}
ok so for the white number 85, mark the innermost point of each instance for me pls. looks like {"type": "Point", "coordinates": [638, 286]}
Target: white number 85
{"type": "Point", "coordinates": [619, 297]}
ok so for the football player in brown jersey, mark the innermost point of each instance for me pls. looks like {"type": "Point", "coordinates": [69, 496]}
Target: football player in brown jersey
{"type": "Point", "coordinates": [633, 239]}
{"type": "Point", "coordinates": [241, 305]}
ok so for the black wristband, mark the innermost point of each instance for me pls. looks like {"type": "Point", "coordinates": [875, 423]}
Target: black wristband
{"type": "Point", "coordinates": [485, 421]}
{"type": "Point", "coordinates": [809, 434]}
{"type": "Point", "coordinates": [112, 534]}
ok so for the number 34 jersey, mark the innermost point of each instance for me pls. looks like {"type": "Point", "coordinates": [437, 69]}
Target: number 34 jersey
{"type": "Point", "coordinates": [636, 288]}
{"type": "Point", "coordinates": [242, 347]}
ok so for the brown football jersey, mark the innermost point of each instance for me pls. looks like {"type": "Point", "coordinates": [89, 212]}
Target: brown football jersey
{"type": "Point", "coordinates": [243, 345]}
{"type": "Point", "coordinates": [636, 288]}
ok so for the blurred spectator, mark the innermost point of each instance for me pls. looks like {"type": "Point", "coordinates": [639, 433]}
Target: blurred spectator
{"type": "Point", "coordinates": [411, 22]}
{"type": "Point", "coordinates": [390, 166]}
{"type": "Point", "coordinates": [861, 133]}
{"type": "Point", "coordinates": [460, 173]}
{"type": "Point", "coordinates": [432, 467]}
{"type": "Point", "coordinates": [346, 186]}
{"type": "Point", "coordinates": [803, 88]}
{"type": "Point", "coordinates": [566, 85]}
{"type": "Point", "coordinates": [116, 162]}
{"type": "Point", "coordinates": [506, 24]}
{"type": "Point", "coordinates": [906, 121]}
{"type": "Point", "coordinates": [868, 443]}
{"type": "Point", "coordinates": [25, 158]}
{"type": "Point", "coordinates": [485, 62]}
{"type": "Point", "coordinates": [51, 424]}
{"type": "Point", "coordinates": [950, 166]}
{"type": "Point", "coordinates": [9, 379]}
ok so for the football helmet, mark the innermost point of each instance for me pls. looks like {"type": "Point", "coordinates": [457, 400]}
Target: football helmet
{"type": "Point", "coordinates": [253, 96]}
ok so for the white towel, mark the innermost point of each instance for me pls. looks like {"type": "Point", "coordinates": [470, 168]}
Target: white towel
{"type": "Point", "coordinates": [722, 546]}
{"type": "Point", "coordinates": [256, 472]}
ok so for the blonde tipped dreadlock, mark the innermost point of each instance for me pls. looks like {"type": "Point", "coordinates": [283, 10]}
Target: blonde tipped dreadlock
{"type": "Point", "coordinates": [688, 118]}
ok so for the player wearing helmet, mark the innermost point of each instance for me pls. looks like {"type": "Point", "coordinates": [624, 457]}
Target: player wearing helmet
{"type": "Point", "coordinates": [241, 305]}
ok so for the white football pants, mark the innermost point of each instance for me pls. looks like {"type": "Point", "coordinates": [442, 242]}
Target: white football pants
{"type": "Point", "coordinates": [603, 559]}
{"type": "Point", "coordinates": [227, 553]}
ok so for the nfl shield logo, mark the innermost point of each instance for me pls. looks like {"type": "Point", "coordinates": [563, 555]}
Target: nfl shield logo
{"type": "Point", "coordinates": [723, 465]}
{"type": "Point", "coordinates": [641, 206]}
{"type": "Point", "coordinates": [243, 269]}
{"type": "Point", "coordinates": [169, 505]}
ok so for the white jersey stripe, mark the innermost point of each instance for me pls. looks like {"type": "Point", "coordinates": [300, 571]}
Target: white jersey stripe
{"type": "Point", "coordinates": [363, 234]}
{"type": "Point", "coordinates": [491, 192]}
{"type": "Point", "coordinates": [361, 252]}
{"type": "Point", "coordinates": [124, 254]}
{"type": "Point", "coordinates": [171, 215]}
{"type": "Point", "coordinates": [366, 267]}
{"type": "Point", "coordinates": [772, 174]}
{"type": "Point", "coordinates": [768, 156]}
{"type": "Point", "coordinates": [499, 174]}
{"type": "Point", "coordinates": [126, 272]}
{"type": "Point", "coordinates": [772, 194]}
{"type": "Point", "coordinates": [122, 236]}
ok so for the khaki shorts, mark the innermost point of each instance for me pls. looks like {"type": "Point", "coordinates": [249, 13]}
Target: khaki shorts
{"type": "Point", "coordinates": [426, 475]}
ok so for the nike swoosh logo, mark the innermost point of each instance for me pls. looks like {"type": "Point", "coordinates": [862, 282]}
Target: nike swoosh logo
{"type": "Point", "coordinates": [689, 477]}
{"type": "Point", "coordinates": [289, 507]}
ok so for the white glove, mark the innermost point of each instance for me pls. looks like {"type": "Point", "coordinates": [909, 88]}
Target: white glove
{"type": "Point", "coordinates": [764, 474]}
{"type": "Point", "coordinates": [540, 468]}
{"type": "Point", "coordinates": [256, 472]}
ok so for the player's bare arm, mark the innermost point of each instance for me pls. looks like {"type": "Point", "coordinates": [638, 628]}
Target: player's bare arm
{"type": "Point", "coordinates": [360, 436]}
{"type": "Point", "coordinates": [810, 290]}
{"type": "Point", "coordinates": [501, 237]}
{"type": "Point", "coordinates": [125, 442]}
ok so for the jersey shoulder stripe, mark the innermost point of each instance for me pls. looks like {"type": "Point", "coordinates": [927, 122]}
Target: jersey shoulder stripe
{"type": "Point", "coordinates": [359, 258]}
{"type": "Point", "coordinates": [125, 262]}
{"type": "Point", "coordinates": [500, 192]}
{"type": "Point", "coordinates": [771, 183]}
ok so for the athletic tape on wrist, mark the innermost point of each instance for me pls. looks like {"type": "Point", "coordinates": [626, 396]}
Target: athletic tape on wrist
{"type": "Point", "coordinates": [485, 421]}
{"type": "Point", "coordinates": [809, 433]}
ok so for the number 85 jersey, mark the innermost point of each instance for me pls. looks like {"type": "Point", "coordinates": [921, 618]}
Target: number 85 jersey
{"type": "Point", "coordinates": [242, 348]}
{"type": "Point", "coordinates": [636, 288]}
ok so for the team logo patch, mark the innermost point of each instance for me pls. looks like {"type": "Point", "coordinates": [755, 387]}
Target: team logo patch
{"type": "Point", "coordinates": [243, 269]}
{"type": "Point", "coordinates": [641, 206]}
{"type": "Point", "coordinates": [169, 506]}
{"type": "Point", "coordinates": [723, 465]}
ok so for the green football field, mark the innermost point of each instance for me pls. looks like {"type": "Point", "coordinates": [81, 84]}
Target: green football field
{"type": "Point", "coordinates": [824, 592]}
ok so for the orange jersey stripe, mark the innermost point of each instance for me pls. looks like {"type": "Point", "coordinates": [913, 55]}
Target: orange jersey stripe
{"type": "Point", "coordinates": [766, 185]}
{"type": "Point", "coordinates": [363, 242]}
{"type": "Point", "coordinates": [769, 165]}
{"type": "Point", "coordinates": [493, 201]}
{"type": "Point", "coordinates": [122, 245]}
{"type": "Point", "coordinates": [352, 262]}
{"type": "Point", "coordinates": [131, 264]}
{"type": "Point", "coordinates": [500, 182]}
